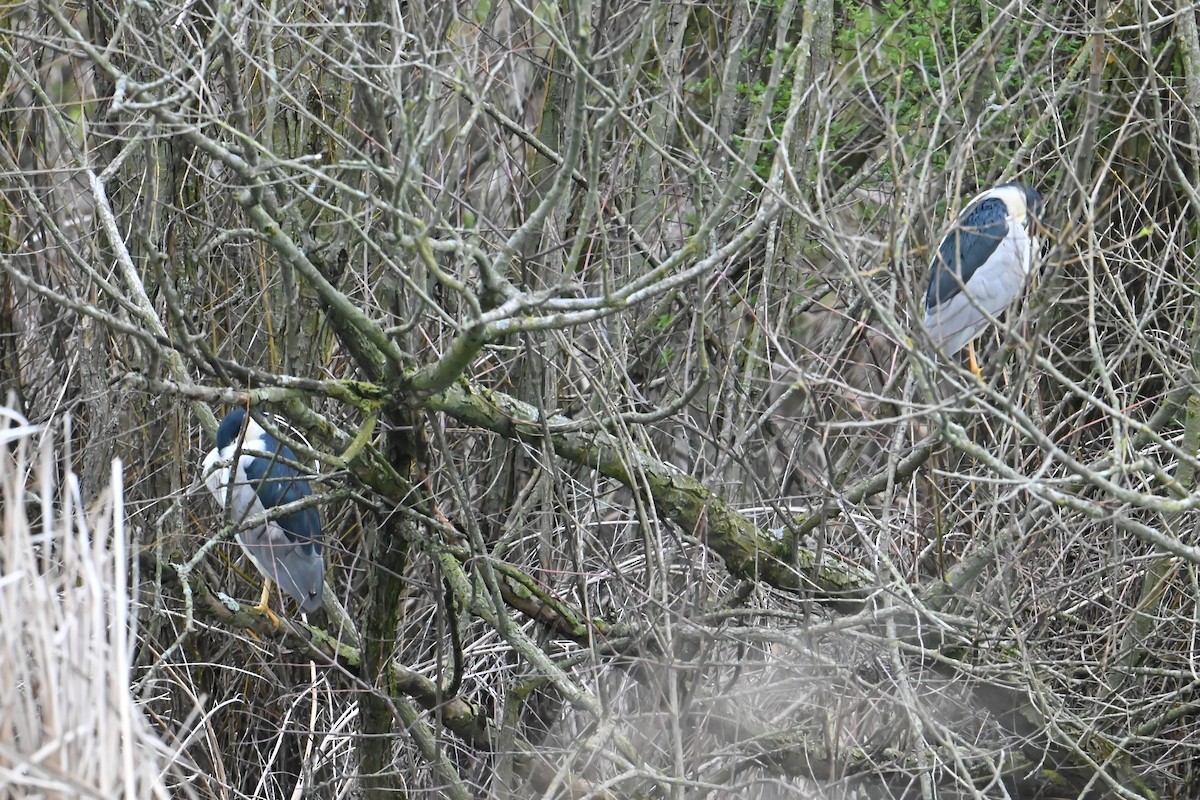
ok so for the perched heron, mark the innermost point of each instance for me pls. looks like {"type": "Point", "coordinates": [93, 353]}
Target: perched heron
{"type": "Point", "coordinates": [981, 266]}
{"type": "Point", "coordinates": [265, 475]}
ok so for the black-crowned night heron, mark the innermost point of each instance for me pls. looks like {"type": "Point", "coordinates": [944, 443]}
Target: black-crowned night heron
{"type": "Point", "coordinates": [981, 266]}
{"type": "Point", "coordinates": [287, 550]}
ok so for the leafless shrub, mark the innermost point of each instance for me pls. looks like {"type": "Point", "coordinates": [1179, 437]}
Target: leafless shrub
{"type": "Point", "coordinates": [600, 325]}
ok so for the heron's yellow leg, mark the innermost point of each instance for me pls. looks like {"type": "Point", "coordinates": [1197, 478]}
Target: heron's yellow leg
{"type": "Point", "coordinates": [264, 606]}
{"type": "Point", "coordinates": [974, 364]}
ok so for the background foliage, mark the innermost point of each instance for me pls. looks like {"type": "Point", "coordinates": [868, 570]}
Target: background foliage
{"type": "Point", "coordinates": [598, 322]}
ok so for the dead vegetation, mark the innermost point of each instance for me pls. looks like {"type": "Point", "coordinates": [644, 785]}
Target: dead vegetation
{"type": "Point", "coordinates": [597, 324]}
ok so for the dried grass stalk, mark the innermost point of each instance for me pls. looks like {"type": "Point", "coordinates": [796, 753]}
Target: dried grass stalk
{"type": "Point", "coordinates": [69, 724]}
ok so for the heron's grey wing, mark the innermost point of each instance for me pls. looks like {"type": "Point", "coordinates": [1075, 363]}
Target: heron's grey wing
{"type": "Point", "coordinates": [976, 236]}
{"type": "Point", "coordinates": [278, 483]}
{"type": "Point", "coordinates": [954, 323]}
{"type": "Point", "coordinates": [298, 569]}
{"type": "Point", "coordinates": [994, 285]}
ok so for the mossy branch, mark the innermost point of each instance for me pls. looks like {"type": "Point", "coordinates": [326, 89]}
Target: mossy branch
{"type": "Point", "coordinates": [748, 551]}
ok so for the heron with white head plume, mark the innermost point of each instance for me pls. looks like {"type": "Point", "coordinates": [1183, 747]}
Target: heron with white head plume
{"type": "Point", "coordinates": [981, 266]}
{"type": "Point", "coordinates": [249, 473]}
